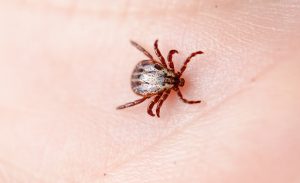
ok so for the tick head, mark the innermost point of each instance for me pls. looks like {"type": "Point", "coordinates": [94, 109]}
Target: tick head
{"type": "Point", "coordinates": [181, 82]}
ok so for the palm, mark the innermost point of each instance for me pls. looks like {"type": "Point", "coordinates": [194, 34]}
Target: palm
{"type": "Point", "coordinates": [64, 68]}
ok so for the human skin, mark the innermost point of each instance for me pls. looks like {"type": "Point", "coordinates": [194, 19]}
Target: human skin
{"type": "Point", "coordinates": [65, 67]}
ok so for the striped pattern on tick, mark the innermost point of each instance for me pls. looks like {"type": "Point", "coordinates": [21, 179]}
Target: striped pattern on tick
{"type": "Point", "coordinates": [150, 77]}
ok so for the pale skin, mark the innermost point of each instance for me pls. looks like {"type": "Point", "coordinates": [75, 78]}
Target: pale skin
{"type": "Point", "coordinates": [65, 66]}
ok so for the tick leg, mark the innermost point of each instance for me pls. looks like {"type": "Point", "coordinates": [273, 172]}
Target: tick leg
{"type": "Point", "coordinates": [185, 100]}
{"type": "Point", "coordinates": [161, 101]}
{"type": "Point", "coordinates": [170, 61]}
{"type": "Point", "coordinates": [159, 55]}
{"type": "Point", "coordinates": [130, 104]}
{"type": "Point", "coordinates": [188, 60]}
{"type": "Point", "coordinates": [152, 103]}
{"type": "Point", "coordinates": [139, 47]}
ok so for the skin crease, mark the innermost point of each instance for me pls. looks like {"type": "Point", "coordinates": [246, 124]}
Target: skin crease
{"type": "Point", "coordinates": [66, 65]}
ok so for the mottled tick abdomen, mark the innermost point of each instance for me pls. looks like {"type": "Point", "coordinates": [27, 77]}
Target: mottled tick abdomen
{"type": "Point", "coordinates": [150, 77]}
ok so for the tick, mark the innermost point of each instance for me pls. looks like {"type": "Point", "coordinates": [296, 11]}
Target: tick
{"type": "Point", "coordinates": [151, 78]}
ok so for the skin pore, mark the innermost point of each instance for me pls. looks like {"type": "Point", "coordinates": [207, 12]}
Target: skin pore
{"type": "Point", "coordinates": [66, 65]}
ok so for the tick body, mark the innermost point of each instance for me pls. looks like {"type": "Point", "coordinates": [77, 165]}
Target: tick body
{"type": "Point", "coordinates": [151, 78]}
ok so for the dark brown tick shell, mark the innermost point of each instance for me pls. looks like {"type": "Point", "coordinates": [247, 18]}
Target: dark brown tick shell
{"type": "Point", "coordinates": [150, 77]}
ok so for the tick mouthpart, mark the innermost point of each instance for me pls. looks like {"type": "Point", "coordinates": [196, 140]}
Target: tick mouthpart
{"type": "Point", "coordinates": [182, 81]}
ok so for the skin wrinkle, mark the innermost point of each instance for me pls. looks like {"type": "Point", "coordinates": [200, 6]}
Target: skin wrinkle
{"type": "Point", "coordinates": [158, 143]}
{"type": "Point", "coordinates": [137, 117]}
{"type": "Point", "coordinates": [139, 167]}
{"type": "Point", "coordinates": [178, 131]}
{"type": "Point", "coordinates": [245, 30]}
{"type": "Point", "coordinates": [242, 32]}
{"type": "Point", "coordinates": [239, 39]}
{"type": "Point", "coordinates": [224, 100]}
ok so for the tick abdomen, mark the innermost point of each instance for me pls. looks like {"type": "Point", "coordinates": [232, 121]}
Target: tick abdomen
{"type": "Point", "coordinates": [150, 77]}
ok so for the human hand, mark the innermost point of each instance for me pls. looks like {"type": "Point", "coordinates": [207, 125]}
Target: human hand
{"type": "Point", "coordinates": [65, 66]}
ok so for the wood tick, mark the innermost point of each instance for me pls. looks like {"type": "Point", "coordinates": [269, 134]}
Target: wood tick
{"type": "Point", "coordinates": [152, 78]}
